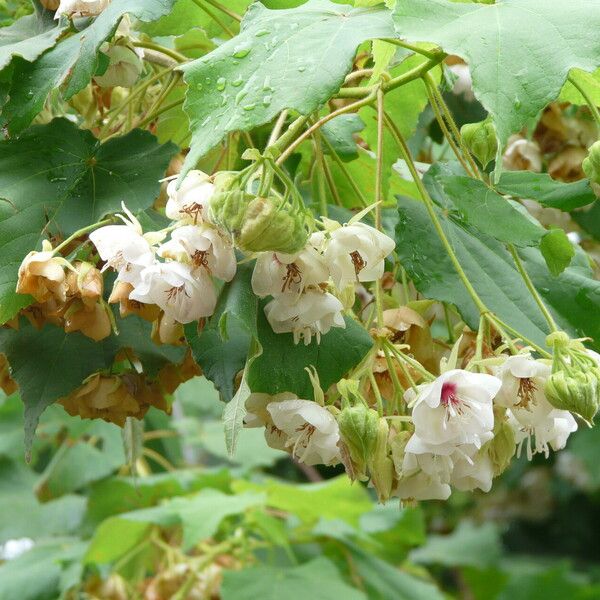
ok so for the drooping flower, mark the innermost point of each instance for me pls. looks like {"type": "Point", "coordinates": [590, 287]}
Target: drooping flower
{"type": "Point", "coordinates": [455, 409]}
{"type": "Point", "coordinates": [259, 416]}
{"type": "Point", "coordinates": [124, 248]}
{"type": "Point", "coordinates": [313, 312]}
{"type": "Point", "coordinates": [522, 155]}
{"type": "Point", "coordinates": [42, 275]}
{"type": "Point", "coordinates": [81, 8]}
{"type": "Point", "coordinates": [356, 252]}
{"type": "Point", "coordinates": [312, 431]}
{"type": "Point", "coordinates": [190, 202]}
{"type": "Point", "coordinates": [125, 66]}
{"type": "Point", "coordinates": [523, 379]}
{"type": "Point", "coordinates": [276, 273]}
{"type": "Point", "coordinates": [471, 470]}
{"type": "Point", "coordinates": [183, 295]}
{"type": "Point", "coordinates": [203, 247]}
{"type": "Point", "coordinates": [424, 476]}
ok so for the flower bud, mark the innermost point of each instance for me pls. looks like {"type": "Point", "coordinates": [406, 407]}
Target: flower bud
{"type": "Point", "coordinates": [381, 464]}
{"type": "Point", "coordinates": [578, 392]}
{"type": "Point", "coordinates": [86, 283]}
{"type": "Point", "coordinates": [501, 448]}
{"type": "Point", "coordinates": [359, 427]}
{"type": "Point", "coordinates": [124, 68]}
{"type": "Point", "coordinates": [481, 140]}
{"type": "Point", "coordinates": [591, 164]}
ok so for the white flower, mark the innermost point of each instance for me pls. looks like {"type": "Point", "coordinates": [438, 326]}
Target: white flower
{"type": "Point", "coordinates": [523, 380]}
{"type": "Point", "coordinates": [541, 429]}
{"type": "Point", "coordinates": [276, 273]}
{"type": "Point", "coordinates": [259, 416]}
{"type": "Point", "coordinates": [190, 202]}
{"type": "Point", "coordinates": [124, 248]}
{"type": "Point", "coordinates": [422, 487]}
{"type": "Point", "coordinates": [125, 66]}
{"type": "Point", "coordinates": [472, 471]}
{"type": "Point", "coordinates": [313, 312]}
{"type": "Point", "coordinates": [81, 8]}
{"type": "Point", "coordinates": [203, 247]}
{"type": "Point", "coordinates": [464, 84]}
{"type": "Point", "coordinates": [357, 252]}
{"type": "Point", "coordinates": [183, 295]}
{"type": "Point", "coordinates": [455, 409]}
{"type": "Point", "coordinates": [522, 155]}
{"type": "Point", "coordinates": [312, 431]}
{"type": "Point", "coordinates": [424, 477]}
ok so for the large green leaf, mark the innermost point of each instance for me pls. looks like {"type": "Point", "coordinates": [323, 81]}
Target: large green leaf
{"type": "Point", "coordinates": [71, 63]}
{"type": "Point", "coordinates": [29, 37]}
{"type": "Point", "coordinates": [62, 362]}
{"type": "Point", "coordinates": [281, 366]}
{"type": "Point", "coordinates": [295, 58]}
{"type": "Point", "coordinates": [519, 51]}
{"type": "Point", "coordinates": [318, 580]}
{"type": "Point", "coordinates": [222, 347]}
{"type": "Point", "coordinates": [57, 178]}
{"type": "Point", "coordinates": [545, 190]}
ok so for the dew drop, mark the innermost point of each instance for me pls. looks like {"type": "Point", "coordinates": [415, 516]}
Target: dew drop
{"type": "Point", "coordinates": [267, 100]}
{"type": "Point", "coordinates": [301, 68]}
{"type": "Point", "coordinates": [221, 83]}
{"type": "Point", "coordinates": [250, 107]}
{"type": "Point", "coordinates": [241, 95]}
{"type": "Point", "coordinates": [241, 51]}
{"type": "Point", "coordinates": [199, 86]}
{"type": "Point", "coordinates": [262, 32]}
{"type": "Point", "coordinates": [237, 82]}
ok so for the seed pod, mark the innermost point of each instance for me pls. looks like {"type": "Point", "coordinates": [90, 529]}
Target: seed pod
{"type": "Point", "coordinates": [481, 140]}
{"type": "Point", "coordinates": [358, 429]}
{"type": "Point", "coordinates": [578, 393]}
{"type": "Point", "coordinates": [381, 464]}
{"type": "Point", "coordinates": [591, 164]}
{"type": "Point", "coordinates": [502, 447]}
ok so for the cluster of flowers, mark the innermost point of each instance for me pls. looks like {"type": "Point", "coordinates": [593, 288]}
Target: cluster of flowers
{"type": "Point", "coordinates": [299, 283]}
{"type": "Point", "coordinates": [463, 431]}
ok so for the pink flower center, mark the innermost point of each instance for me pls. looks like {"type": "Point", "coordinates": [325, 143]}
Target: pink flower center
{"type": "Point", "coordinates": [449, 397]}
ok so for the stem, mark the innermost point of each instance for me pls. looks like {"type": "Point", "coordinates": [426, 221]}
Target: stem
{"type": "Point", "coordinates": [159, 112]}
{"type": "Point", "coordinates": [320, 164]}
{"type": "Point", "coordinates": [180, 58]}
{"type": "Point", "coordinates": [224, 9]}
{"type": "Point", "coordinates": [414, 48]}
{"type": "Point", "coordinates": [440, 119]}
{"type": "Point", "coordinates": [214, 17]}
{"type": "Point", "coordinates": [340, 111]}
{"type": "Point", "coordinates": [340, 163]}
{"type": "Point", "coordinates": [151, 115]}
{"type": "Point", "coordinates": [276, 131]}
{"type": "Point", "coordinates": [534, 293]}
{"type": "Point", "coordinates": [276, 149]}
{"type": "Point", "coordinates": [448, 324]}
{"type": "Point", "coordinates": [588, 99]}
{"type": "Point", "coordinates": [379, 195]}
{"type": "Point", "coordinates": [452, 123]}
{"type": "Point", "coordinates": [429, 205]}
{"type": "Point", "coordinates": [376, 392]}
{"type": "Point", "coordinates": [81, 232]}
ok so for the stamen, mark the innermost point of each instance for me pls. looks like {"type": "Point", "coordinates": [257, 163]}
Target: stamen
{"type": "Point", "coordinates": [358, 261]}
{"type": "Point", "coordinates": [293, 276]}
{"type": "Point", "coordinates": [526, 393]}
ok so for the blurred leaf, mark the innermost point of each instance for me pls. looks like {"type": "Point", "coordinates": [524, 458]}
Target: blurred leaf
{"type": "Point", "coordinates": [277, 62]}
{"type": "Point", "coordinates": [114, 538]}
{"type": "Point", "coordinates": [199, 516]}
{"type": "Point", "coordinates": [317, 580]}
{"type": "Point", "coordinates": [468, 545]}
{"type": "Point", "coordinates": [585, 446]}
{"type": "Point", "coordinates": [280, 367]}
{"type": "Point", "coordinates": [557, 250]}
{"type": "Point", "coordinates": [545, 190]}
{"type": "Point", "coordinates": [340, 134]}
{"type": "Point", "coordinates": [334, 499]}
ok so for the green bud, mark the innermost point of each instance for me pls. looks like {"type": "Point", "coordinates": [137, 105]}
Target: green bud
{"type": "Point", "coordinates": [502, 447]}
{"type": "Point", "coordinates": [481, 140]}
{"type": "Point", "coordinates": [381, 465]}
{"type": "Point", "coordinates": [260, 224]}
{"type": "Point", "coordinates": [358, 429]}
{"type": "Point", "coordinates": [578, 392]}
{"type": "Point", "coordinates": [591, 164]}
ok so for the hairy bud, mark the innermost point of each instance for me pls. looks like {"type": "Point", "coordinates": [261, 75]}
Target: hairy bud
{"type": "Point", "coordinates": [591, 164]}
{"type": "Point", "coordinates": [358, 429]}
{"type": "Point", "coordinates": [381, 464]}
{"type": "Point", "coordinates": [577, 392]}
{"type": "Point", "coordinates": [481, 140]}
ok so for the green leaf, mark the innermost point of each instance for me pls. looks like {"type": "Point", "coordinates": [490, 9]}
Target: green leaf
{"type": "Point", "coordinates": [278, 61]}
{"type": "Point", "coordinates": [340, 134]}
{"type": "Point", "coordinates": [590, 82]}
{"type": "Point", "coordinates": [222, 347]}
{"type": "Point", "coordinates": [335, 499]}
{"type": "Point", "coordinates": [557, 250]}
{"type": "Point", "coordinates": [113, 539]}
{"type": "Point", "coordinates": [71, 63]}
{"type": "Point", "coordinates": [490, 212]}
{"type": "Point", "coordinates": [545, 190]}
{"type": "Point", "coordinates": [468, 545]}
{"type": "Point", "coordinates": [64, 361]}
{"type": "Point", "coordinates": [589, 220]}
{"type": "Point", "coordinates": [200, 515]}
{"type": "Point", "coordinates": [318, 580]}
{"type": "Point", "coordinates": [29, 37]}
{"type": "Point", "coordinates": [57, 179]}
{"type": "Point", "coordinates": [281, 366]}
{"type": "Point", "coordinates": [506, 46]}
